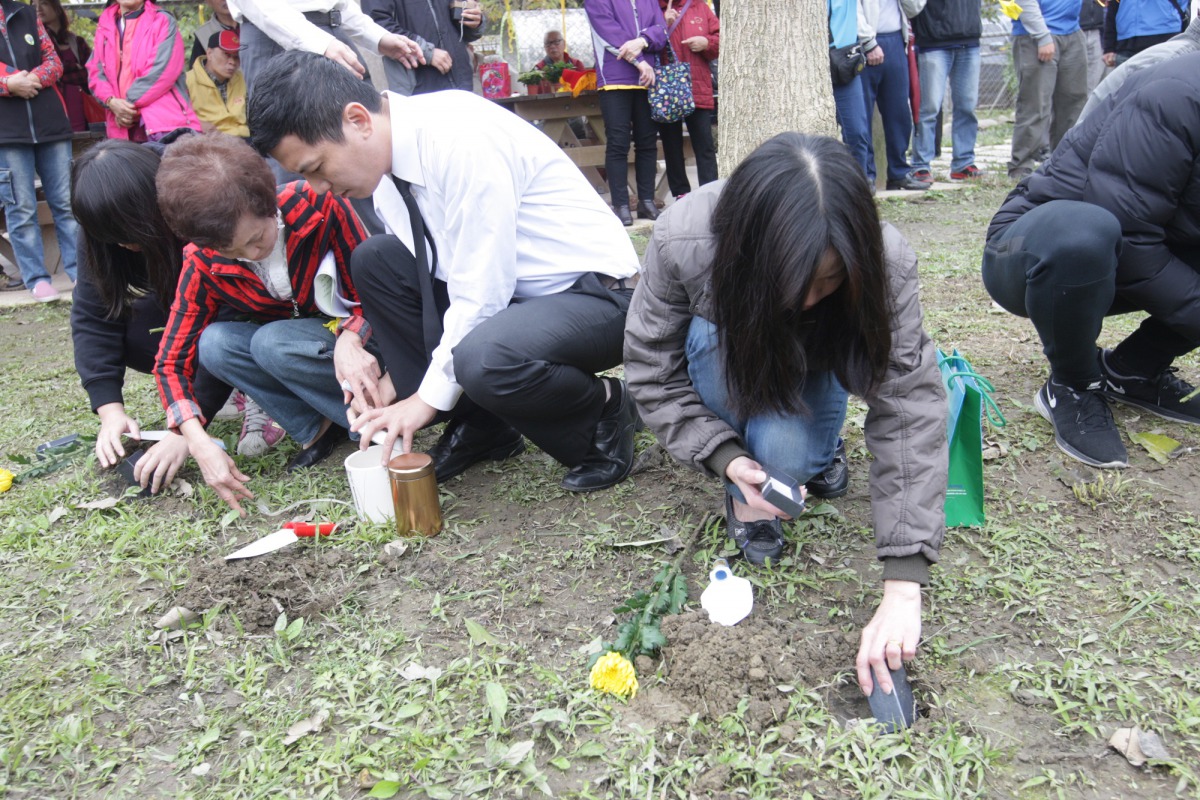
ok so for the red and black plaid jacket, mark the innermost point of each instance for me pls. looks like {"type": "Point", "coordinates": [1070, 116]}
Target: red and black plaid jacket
{"type": "Point", "coordinates": [314, 225]}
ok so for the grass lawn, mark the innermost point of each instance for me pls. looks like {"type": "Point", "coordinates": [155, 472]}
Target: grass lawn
{"type": "Point", "coordinates": [458, 667]}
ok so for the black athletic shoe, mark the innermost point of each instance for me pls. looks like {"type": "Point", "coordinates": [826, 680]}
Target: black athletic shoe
{"type": "Point", "coordinates": [758, 540]}
{"type": "Point", "coordinates": [1083, 424]}
{"type": "Point", "coordinates": [834, 480]}
{"type": "Point", "coordinates": [1164, 394]}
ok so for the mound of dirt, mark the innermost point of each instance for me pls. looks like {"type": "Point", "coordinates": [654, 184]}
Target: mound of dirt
{"type": "Point", "coordinates": [708, 669]}
{"type": "Point", "coordinates": [301, 581]}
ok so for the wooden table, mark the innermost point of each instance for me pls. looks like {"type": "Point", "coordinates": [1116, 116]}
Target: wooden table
{"type": "Point", "coordinates": [552, 113]}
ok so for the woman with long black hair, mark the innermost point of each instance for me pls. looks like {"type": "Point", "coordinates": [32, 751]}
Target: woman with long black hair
{"type": "Point", "coordinates": [129, 265]}
{"type": "Point", "coordinates": [766, 299]}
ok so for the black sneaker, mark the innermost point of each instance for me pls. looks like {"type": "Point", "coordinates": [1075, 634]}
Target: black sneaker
{"type": "Point", "coordinates": [1083, 424]}
{"type": "Point", "coordinates": [834, 480]}
{"type": "Point", "coordinates": [1164, 394]}
{"type": "Point", "coordinates": [757, 540]}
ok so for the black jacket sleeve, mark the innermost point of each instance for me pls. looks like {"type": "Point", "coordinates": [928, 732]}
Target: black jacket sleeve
{"type": "Point", "coordinates": [99, 347]}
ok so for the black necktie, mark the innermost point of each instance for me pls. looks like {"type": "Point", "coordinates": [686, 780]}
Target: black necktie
{"type": "Point", "coordinates": [431, 319]}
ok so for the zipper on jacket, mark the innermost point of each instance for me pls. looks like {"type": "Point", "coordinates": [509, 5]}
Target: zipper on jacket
{"type": "Point", "coordinates": [13, 57]}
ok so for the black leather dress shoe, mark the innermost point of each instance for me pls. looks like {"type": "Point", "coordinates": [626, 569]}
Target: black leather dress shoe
{"type": "Point", "coordinates": [610, 458]}
{"type": "Point", "coordinates": [622, 212]}
{"type": "Point", "coordinates": [909, 183]}
{"type": "Point", "coordinates": [834, 480]}
{"type": "Point", "coordinates": [462, 445]}
{"type": "Point", "coordinates": [647, 210]}
{"type": "Point", "coordinates": [319, 450]}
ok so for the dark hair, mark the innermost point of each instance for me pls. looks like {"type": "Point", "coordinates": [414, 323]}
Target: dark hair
{"type": "Point", "coordinates": [206, 184]}
{"type": "Point", "coordinates": [303, 94]}
{"type": "Point", "coordinates": [786, 205]}
{"type": "Point", "coordinates": [115, 201]}
{"type": "Point", "coordinates": [63, 35]}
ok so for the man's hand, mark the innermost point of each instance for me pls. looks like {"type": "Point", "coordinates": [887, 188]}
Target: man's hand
{"type": "Point", "coordinates": [157, 468]}
{"type": "Point", "coordinates": [875, 56]}
{"type": "Point", "coordinates": [747, 474]}
{"type": "Point", "coordinates": [114, 423]}
{"type": "Point", "coordinates": [24, 84]}
{"type": "Point", "coordinates": [645, 74]}
{"type": "Point", "coordinates": [342, 54]}
{"type": "Point", "coordinates": [1110, 59]}
{"type": "Point", "coordinates": [891, 636]}
{"type": "Point", "coordinates": [402, 49]}
{"type": "Point", "coordinates": [1046, 52]}
{"type": "Point", "coordinates": [398, 421]}
{"type": "Point", "coordinates": [356, 368]}
{"type": "Point", "coordinates": [441, 61]}
{"type": "Point", "coordinates": [472, 16]}
{"type": "Point", "coordinates": [697, 44]}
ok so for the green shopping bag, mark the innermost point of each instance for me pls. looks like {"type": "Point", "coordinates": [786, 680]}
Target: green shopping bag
{"type": "Point", "coordinates": [968, 393]}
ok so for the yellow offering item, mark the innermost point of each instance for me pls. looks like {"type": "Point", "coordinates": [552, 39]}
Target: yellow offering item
{"type": "Point", "coordinates": [332, 325]}
{"type": "Point", "coordinates": [614, 674]}
{"type": "Point", "coordinates": [1011, 9]}
{"type": "Point", "coordinates": [6, 480]}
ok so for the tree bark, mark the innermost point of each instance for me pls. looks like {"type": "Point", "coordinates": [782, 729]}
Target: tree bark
{"type": "Point", "coordinates": [774, 74]}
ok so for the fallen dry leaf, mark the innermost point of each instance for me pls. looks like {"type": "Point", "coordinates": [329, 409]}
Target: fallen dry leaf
{"type": "Point", "coordinates": [105, 502]}
{"type": "Point", "coordinates": [182, 488]}
{"type": "Point", "coordinates": [304, 727]}
{"type": "Point", "coordinates": [54, 516]}
{"type": "Point", "coordinates": [395, 549]}
{"type": "Point", "coordinates": [415, 672]}
{"type": "Point", "coordinates": [177, 618]}
{"type": "Point", "coordinates": [1137, 745]}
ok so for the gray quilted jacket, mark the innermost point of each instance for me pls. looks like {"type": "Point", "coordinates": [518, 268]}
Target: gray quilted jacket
{"type": "Point", "coordinates": [906, 417]}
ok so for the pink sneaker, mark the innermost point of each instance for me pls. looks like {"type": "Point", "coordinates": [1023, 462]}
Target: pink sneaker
{"type": "Point", "coordinates": [43, 292]}
{"type": "Point", "coordinates": [259, 432]}
{"type": "Point", "coordinates": [234, 407]}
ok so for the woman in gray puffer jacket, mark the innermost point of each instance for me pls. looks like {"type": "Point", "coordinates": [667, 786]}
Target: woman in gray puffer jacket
{"type": "Point", "coordinates": [760, 299]}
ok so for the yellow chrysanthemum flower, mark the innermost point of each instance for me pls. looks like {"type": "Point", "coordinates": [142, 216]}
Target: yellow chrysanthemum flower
{"type": "Point", "coordinates": [6, 480]}
{"type": "Point", "coordinates": [614, 674]}
{"type": "Point", "coordinates": [332, 325]}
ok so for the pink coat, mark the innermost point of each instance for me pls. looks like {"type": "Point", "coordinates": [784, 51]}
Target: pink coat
{"type": "Point", "coordinates": [149, 73]}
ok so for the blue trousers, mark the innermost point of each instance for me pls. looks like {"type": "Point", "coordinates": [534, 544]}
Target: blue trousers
{"type": "Point", "coordinates": [20, 164]}
{"type": "Point", "coordinates": [886, 84]}
{"type": "Point", "coordinates": [802, 445]}
{"type": "Point", "coordinates": [855, 123]}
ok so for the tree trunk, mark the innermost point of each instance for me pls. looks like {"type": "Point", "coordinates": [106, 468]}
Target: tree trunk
{"type": "Point", "coordinates": [774, 74]}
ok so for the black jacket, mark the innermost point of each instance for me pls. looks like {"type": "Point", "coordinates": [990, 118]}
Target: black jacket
{"type": "Point", "coordinates": [428, 23]}
{"type": "Point", "coordinates": [1138, 156]}
{"type": "Point", "coordinates": [948, 23]}
{"type": "Point", "coordinates": [1091, 15]}
{"type": "Point", "coordinates": [44, 118]}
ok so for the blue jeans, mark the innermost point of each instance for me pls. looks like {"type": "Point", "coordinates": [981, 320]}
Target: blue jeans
{"type": "Point", "coordinates": [961, 65]}
{"type": "Point", "coordinates": [285, 366]}
{"type": "Point", "coordinates": [19, 163]}
{"type": "Point", "coordinates": [887, 85]}
{"type": "Point", "coordinates": [802, 445]}
{"type": "Point", "coordinates": [855, 124]}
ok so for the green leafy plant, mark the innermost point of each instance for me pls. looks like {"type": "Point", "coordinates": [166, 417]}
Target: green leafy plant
{"type": "Point", "coordinates": [533, 76]}
{"type": "Point", "coordinates": [641, 635]}
{"type": "Point", "coordinates": [51, 459]}
{"type": "Point", "coordinates": [553, 72]}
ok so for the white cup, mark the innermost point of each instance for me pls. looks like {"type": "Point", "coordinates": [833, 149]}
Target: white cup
{"type": "Point", "coordinates": [369, 485]}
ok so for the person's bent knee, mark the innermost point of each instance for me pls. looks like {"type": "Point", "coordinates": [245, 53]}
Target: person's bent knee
{"type": "Point", "coordinates": [217, 341]}
{"type": "Point", "coordinates": [275, 346]}
{"type": "Point", "coordinates": [485, 367]}
{"type": "Point", "coordinates": [379, 261]}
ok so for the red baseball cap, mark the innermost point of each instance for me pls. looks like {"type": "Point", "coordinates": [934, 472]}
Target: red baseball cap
{"type": "Point", "coordinates": [226, 40]}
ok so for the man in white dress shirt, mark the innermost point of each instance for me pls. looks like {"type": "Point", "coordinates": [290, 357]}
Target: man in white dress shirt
{"type": "Point", "coordinates": [326, 27]}
{"type": "Point", "coordinates": [499, 317]}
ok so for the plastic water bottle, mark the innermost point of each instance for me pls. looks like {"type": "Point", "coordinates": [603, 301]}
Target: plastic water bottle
{"type": "Point", "coordinates": [728, 599]}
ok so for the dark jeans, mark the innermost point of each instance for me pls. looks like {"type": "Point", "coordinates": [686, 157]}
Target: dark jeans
{"type": "Point", "coordinates": [887, 85]}
{"type": "Point", "coordinates": [141, 351]}
{"type": "Point", "coordinates": [855, 123]}
{"type": "Point", "coordinates": [532, 365]}
{"type": "Point", "coordinates": [1057, 265]}
{"type": "Point", "coordinates": [699, 125]}
{"type": "Point", "coordinates": [626, 110]}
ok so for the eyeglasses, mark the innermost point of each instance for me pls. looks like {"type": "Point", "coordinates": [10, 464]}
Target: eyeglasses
{"type": "Point", "coordinates": [555, 41]}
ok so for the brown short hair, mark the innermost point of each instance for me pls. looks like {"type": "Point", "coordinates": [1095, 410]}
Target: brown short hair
{"type": "Point", "coordinates": [206, 184]}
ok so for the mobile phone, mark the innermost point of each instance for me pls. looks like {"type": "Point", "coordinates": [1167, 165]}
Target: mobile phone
{"type": "Point", "coordinates": [897, 710]}
{"type": "Point", "coordinates": [782, 491]}
{"type": "Point", "coordinates": [55, 444]}
{"type": "Point", "coordinates": [125, 469]}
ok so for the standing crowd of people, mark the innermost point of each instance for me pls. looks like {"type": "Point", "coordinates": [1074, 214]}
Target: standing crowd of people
{"type": "Point", "coordinates": [493, 285]}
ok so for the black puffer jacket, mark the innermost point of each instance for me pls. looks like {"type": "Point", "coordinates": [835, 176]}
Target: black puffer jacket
{"type": "Point", "coordinates": [1137, 156]}
{"type": "Point", "coordinates": [948, 23]}
{"type": "Point", "coordinates": [44, 118]}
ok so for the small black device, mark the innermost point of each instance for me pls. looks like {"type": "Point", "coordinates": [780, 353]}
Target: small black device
{"type": "Point", "coordinates": [56, 444]}
{"type": "Point", "coordinates": [335, 18]}
{"type": "Point", "coordinates": [125, 469]}
{"type": "Point", "coordinates": [456, 11]}
{"type": "Point", "coordinates": [782, 491]}
{"type": "Point", "coordinates": [897, 710]}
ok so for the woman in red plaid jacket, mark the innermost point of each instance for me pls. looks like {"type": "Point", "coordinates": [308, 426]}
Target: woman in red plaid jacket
{"type": "Point", "coordinates": [257, 250]}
